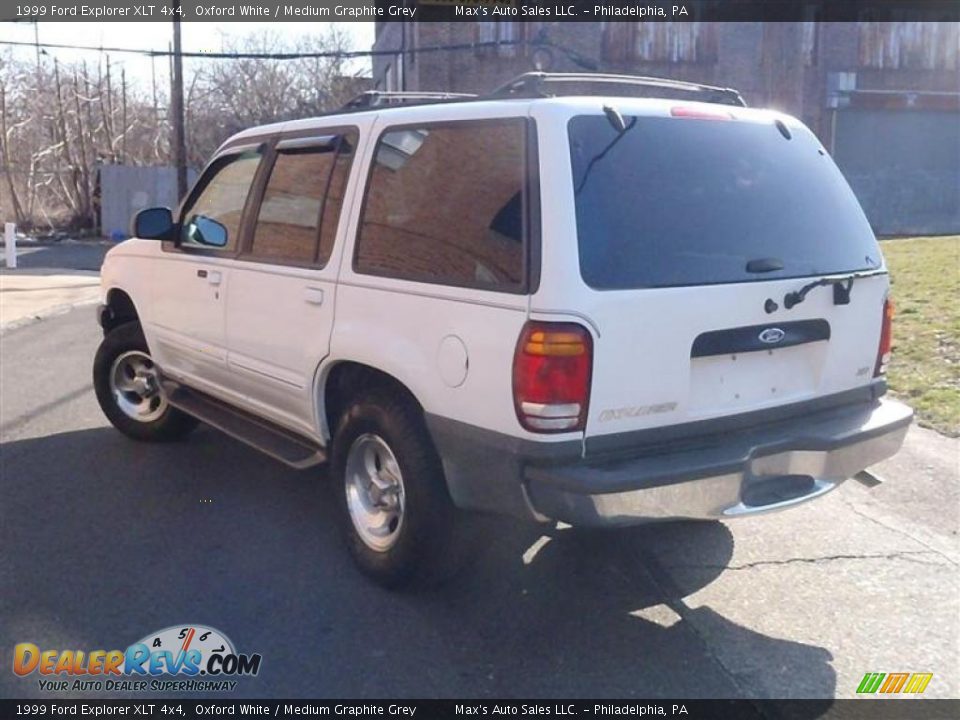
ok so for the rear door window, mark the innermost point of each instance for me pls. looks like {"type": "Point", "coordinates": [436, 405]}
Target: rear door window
{"type": "Point", "coordinates": [289, 218]}
{"type": "Point", "coordinates": [680, 201]}
{"type": "Point", "coordinates": [300, 210]}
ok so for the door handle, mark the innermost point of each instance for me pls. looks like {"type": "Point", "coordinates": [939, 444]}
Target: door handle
{"type": "Point", "coordinates": [213, 277]}
{"type": "Point", "coordinates": [313, 295]}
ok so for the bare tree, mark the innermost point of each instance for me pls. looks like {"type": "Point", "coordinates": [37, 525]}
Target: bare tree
{"type": "Point", "coordinates": [55, 129]}
{"type": "Point", "coordinates": [59, 122]}
{"type": "Point", "coordinates": [227, 96]}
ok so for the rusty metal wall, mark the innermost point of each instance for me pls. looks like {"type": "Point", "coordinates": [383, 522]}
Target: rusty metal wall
{"type": "Point", "coordinates": [909, 45]}
{"type": "Point", "coordinates": [660, 41]}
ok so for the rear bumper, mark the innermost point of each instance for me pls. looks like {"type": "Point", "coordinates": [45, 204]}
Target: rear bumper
{"type": "Point", "coordinates": [753, 470]}
{"type": "Point", "coordinates": [768, 469]}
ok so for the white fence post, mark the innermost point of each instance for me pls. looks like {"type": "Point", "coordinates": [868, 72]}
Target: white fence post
{"type": "Point", "coordinates": [10, 235]}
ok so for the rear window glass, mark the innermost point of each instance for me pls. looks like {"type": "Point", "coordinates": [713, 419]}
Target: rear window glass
{"type": "Point", "coordinates": [674, 201]}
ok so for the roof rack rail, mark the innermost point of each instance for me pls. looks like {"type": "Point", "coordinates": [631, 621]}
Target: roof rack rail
{"type": "Point", "coordinates": [380, 98]}
{"type": "Point", "coordinates": [537, 84]}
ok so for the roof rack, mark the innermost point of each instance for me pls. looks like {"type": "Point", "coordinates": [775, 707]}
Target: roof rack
{"type": "Point", "coordinates": [541, 85]}
{"type": "Point", "coordinates": [537, 84]}
{"type": "Point", "coordinates": [381, 98]}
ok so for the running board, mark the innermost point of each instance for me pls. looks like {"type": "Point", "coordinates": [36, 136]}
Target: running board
{"type": "Point", "coordinates": [279, 443]}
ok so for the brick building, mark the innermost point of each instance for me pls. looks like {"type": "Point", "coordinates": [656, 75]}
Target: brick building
{"type": "Point", "coordinates": [884, 97]}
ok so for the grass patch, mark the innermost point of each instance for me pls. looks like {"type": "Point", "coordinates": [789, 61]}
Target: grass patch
{"type": "Point", "coordinates": [925, 369]}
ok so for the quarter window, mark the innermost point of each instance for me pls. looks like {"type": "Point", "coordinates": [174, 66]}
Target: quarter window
{"type": "Point", "coordinates": [448, 204]}
{"type": "Point", "coordinates": [212, 220]}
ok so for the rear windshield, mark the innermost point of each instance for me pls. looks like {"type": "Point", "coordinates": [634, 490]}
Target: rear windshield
{"type": "Point", "coordinates": [681, 201]}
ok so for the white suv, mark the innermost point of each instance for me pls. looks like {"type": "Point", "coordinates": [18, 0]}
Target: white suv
{"type": "Point", "coordinates": [591, 309]}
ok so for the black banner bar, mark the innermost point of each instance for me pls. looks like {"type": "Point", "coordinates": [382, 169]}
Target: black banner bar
{"type": "Point", "coordinates": [159, 709]}
{"type": "Point", "coordinates": [481, 10]}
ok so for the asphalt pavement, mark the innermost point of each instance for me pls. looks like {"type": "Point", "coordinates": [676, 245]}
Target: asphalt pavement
{"type": "Point", "coordinates": [72, 254]}
{"type": "Point", "coordinates": [104, 540]}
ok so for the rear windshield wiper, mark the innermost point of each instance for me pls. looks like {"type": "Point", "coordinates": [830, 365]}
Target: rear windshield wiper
{"type": "Point", "coordinates": [621, 127]}
{"type": "Point", "coordinates": [841, 289]}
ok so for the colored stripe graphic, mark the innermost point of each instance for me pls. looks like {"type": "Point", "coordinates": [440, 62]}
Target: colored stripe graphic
{"type": "Point", "coordinates": [918, 682]}
{"type": "Point", "coordinates": [870, 682]}
{"type": "Point", "coordinates": [894, 682]}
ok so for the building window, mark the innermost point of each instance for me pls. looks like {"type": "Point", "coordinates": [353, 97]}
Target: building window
{"type": "Point", "coordinates": [673, 42]}
{"type": "Point", "coordinates": [447, 204]}
{"type": "Point", "coordinates": [513, 36]}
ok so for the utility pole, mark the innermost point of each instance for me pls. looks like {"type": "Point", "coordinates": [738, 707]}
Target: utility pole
{"type": "Point", "coordinates": [153, 83]}
{"type": "Point", "coordinates": [176, 107]}
{"type": "Point", "coordinates": [123, 113]}
{"type": "Point", "coordinates": [36, 42]}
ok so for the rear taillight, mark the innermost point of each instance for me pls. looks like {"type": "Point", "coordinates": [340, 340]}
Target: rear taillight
{"type": "Point", "coordinates": [886, 339]}
{"type": "Point", "coordinates": [551, 376]}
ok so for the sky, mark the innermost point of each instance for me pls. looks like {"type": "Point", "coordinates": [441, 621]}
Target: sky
{"type": "Point", "coordinates": [196, 37]}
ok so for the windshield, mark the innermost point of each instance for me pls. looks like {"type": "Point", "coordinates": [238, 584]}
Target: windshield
{"type": "Point", "coordinates": [674, 201]}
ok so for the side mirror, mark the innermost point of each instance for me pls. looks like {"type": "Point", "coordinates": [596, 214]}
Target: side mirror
{"type": "Point", "coordinates": [202, 230]}
{"type": "Point", "coordinates": [153, 224]}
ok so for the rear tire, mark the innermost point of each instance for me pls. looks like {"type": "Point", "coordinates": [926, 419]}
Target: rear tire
{"type": "Point", "coordinates": [127, 386]}
{"type": "Point", "coordinates": [397, 518]}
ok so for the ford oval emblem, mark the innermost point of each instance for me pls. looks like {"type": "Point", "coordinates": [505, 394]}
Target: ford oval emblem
{"type": "Point", "coordinates": [771, 336]}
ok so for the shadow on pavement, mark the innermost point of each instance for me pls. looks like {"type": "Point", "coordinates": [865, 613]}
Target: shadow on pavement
{"type": "Point", "coordinates": [105, 540]}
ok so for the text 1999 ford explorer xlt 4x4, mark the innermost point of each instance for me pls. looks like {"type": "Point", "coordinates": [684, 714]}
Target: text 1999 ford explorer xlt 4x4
{"type": "Point", "coordinates": [600, 310]}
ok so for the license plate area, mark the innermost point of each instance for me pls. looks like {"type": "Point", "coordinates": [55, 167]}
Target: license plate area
{"type": "Point", "coordinates": [741, 381]}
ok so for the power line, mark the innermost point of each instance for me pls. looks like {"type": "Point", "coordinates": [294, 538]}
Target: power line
{"type": "Point", "coordinates": [336, 54]}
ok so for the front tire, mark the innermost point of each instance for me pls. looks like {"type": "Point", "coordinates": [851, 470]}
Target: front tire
{"type": "Point", "coordinates": [398, 520]}
{"type": "Point", "coordinates": [127, 386]}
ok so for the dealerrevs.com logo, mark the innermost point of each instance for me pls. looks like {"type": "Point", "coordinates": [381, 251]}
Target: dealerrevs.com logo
{"type": "Point", "coordinates": [200, 658]}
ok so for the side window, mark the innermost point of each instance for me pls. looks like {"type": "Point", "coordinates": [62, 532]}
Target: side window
{"type": "Point", "coordinates": [298, 215]}
{"type": "Point", "coordinates": [335, 193]}
{"type": "Point", "coordinates": [212, 219]}
{"type": "Point", "coordinates": [446, 204]}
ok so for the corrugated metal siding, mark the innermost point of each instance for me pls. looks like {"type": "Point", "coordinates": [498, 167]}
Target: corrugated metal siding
{"type": "Point", "coordinates": [909, 45]}
{"type": "Point", "coordinates": [124, 190]}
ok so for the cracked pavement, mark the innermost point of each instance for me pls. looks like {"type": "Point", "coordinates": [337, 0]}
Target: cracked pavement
{"type": "Point", "coordinates": [103, 540]}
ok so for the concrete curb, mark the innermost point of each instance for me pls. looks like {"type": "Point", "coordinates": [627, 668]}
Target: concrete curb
{"type": "Point", "coordinates": [49, 312]}
{"type": "Point", "coordinates": [27, 297]}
